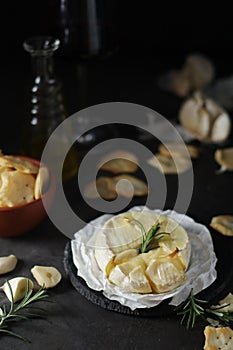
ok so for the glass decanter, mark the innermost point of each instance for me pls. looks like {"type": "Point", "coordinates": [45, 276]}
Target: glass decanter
{"type": "Point", "coordinates": [47, 108]}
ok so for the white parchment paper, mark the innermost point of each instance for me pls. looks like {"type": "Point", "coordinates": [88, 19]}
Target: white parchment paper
{"type": "Point", "coordinates": [200, 274]}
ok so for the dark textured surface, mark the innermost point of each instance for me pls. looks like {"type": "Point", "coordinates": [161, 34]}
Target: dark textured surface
{"type": "Point", "coordinates": [74, 322]}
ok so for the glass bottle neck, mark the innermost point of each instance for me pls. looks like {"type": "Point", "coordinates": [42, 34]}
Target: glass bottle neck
{"type": "Point", "coordinates": [42, 68]}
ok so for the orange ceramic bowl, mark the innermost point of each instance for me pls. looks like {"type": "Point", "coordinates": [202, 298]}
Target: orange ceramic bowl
{"type": "Point", "coordinates": [20, 219]}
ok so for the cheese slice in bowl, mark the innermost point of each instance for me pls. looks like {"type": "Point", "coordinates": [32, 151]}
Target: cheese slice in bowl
{"type": "Point", "coordinates": [158, 269]}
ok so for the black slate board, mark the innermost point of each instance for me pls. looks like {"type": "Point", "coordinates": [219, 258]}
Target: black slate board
{"type": "Point", "coordinates": [221, 286]}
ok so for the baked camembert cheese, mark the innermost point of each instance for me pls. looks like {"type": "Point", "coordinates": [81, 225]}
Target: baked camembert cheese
{"type": "Point", "coordinates": [158, 270]}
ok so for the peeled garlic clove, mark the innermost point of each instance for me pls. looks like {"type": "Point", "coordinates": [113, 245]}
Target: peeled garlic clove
{"type": "Point", "coordinates": [46, 276]}
{"type": "Point", "coordinates": [221, 128]}
{"type": "Point", "coordinates": [188, 113]}
{"type": "Point", "coordinates": [224, 157]}
{"type": "Point", "coordinates": [7, 263]}
{"type": "Point", "coordinates": [19, 287]}
{"type": "Point", "coordinates": [204, 122]}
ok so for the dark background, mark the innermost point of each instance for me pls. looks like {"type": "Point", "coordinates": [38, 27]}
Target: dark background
{"type": "Point", "coordinates": [139, 26]}
{"type": "Point", "coordinates": [142, 39]}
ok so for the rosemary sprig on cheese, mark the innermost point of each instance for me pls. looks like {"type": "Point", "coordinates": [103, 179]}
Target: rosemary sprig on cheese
{"type": "Point", "coordinates": [151, 237]}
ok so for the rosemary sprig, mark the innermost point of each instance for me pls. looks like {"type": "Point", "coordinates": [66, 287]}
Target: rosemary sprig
{"type": "Point", "coordinates": [15, 311]}
{"type": "Point", "coordinates": [225, 318]}
{"type": "Point", "coordinates": [151, 237]}
{"type": "Point", "coordinates": [192, 308]}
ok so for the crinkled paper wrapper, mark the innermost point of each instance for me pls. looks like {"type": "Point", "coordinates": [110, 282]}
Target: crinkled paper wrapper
{"type": "Point", "coordinates": [200, 274]}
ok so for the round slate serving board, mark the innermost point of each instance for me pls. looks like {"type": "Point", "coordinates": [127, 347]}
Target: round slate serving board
{"type": "Point", "coordinates": [213, 293]}
{"type": "Point", "coordinates": [99, 299]}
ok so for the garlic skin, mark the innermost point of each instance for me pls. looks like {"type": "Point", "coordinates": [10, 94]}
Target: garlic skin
{"type": "Point", "coordinates": [205, 119]}
{"type": "Point", "coordinates": [19, 288]}
{"type": "Point", "coordinates": [7, 263]}
{"type": "Point", "coordinates": [46, 276]}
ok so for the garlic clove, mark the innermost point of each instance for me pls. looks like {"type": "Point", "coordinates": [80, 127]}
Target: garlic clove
{"type": "Point", "coordinates": [205, 119]}
{"type": "Point", "coordinates": [204, 122]}
{"type": "Point", "coordinates": [188, 113]}
{"type": "Point", "coordinates": [7, 263]}
{"type": "Point", "coordinates": [46, 276]}
{"type": "Point", "coordinates": [18, 286]}
{"type": "Point", "coordinates": [221, 128]}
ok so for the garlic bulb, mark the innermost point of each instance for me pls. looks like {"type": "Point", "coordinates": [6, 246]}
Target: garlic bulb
{"type": "Point", "coordinates": [205, 119]}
